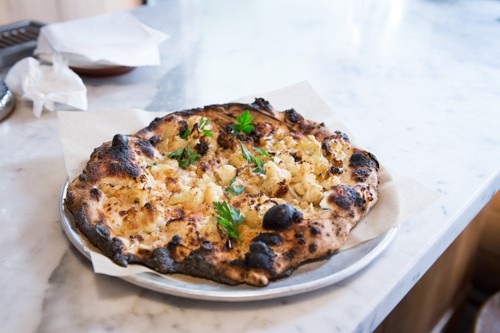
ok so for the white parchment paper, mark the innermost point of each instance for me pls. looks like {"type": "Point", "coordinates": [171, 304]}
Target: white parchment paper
{"type": "Point", "coordinates": [399, 198]}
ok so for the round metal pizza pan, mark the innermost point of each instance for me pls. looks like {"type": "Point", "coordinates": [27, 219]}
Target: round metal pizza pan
{"type": "Point", "coordinates": [308, 277]}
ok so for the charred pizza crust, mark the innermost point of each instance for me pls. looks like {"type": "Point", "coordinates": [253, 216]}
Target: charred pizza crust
{"type": "Point", "coordinates": [136, 205]}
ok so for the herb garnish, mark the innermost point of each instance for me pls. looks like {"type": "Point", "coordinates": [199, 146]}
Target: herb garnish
{"type": "Point", "coordinates": [152, 165]}
{"type": "Point", "coordinates": [243, 125]}
{"type": "Point", "coordinates": [235, 189]}
{"type": "Point", "coordinates": [263, 152]}
{"type": "Point", "coordinates": [229, 218]}
{"type": "Point", "coordinates": [250, 158]}
{"type": "Point", "coordinates": [246, 154]}
{"type": "Point", "coordinates": [186, 134]}
{"type": "Point", "coordinates": [202, 124]}
{"type": "Point", "coordinates": [185, 156]}
{"type": "Point", "coordinates": [259, 166]}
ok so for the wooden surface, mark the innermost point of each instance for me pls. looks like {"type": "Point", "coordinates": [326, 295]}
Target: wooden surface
{"type": "Point", "coordinates": [442, 290]}
{"type": "Point", "coordinates": [50, 11]}
{"type": "Point", "coordinates": [487, 267]}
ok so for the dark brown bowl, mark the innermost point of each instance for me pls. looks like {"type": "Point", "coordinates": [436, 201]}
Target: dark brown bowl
{"type": "Point", "coordinates": [102, 71]}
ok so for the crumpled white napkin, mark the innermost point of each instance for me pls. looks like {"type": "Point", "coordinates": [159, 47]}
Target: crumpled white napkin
{"type": "Point", "coordinates": [116, 39]}
{"type": "Point", "coordinates": [47, 85]}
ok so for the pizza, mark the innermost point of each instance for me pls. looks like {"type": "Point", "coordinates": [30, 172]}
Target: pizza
{"type": "Point", "coordinates": [234, 193]}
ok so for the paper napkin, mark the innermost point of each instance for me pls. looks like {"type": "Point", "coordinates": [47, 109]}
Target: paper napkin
{"type": "Point", "coordinates": [116, 39]}
{"type": "Point", "coordinates": [47, 85]}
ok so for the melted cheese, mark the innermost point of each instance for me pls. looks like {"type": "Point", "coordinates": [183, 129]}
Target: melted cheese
{"type": "Point", "coordinates": [169, 198]}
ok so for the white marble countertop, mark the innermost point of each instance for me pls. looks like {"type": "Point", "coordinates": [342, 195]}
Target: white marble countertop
{"type": "Point", "coordinates": [418, 81]}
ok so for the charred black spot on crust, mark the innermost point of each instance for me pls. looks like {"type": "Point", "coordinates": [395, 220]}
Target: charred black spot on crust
{"type": "Point", "coordinates": [289, 255]}
{"type": "Point", "coordinates": [342, 136]}
{"type": "Point", "coordinates": [82, 177]}
{"type": "Point", "coordinates": [117, 248]}
{"type": "Point", "coordinates": [260, 256]}
{"type": "Point", "coordinates": [120, 161]}
{"type": "Point", "coordinates": [315, 230]}
{"type": "Point", "coordinates": [261, 129]}
{"type": "Point", "coordinates": [102, 231]}
{"type": "Point", "coordinates": [268, 238]}
{"type": "Point", "coordinates": [120, 140]}
{"type": "Point", "coordinates": [293, 116]}
{"type": "Point", "coordinates": [95, 194]}
{"type": "Point", "coordinates": [136, 237]}
{"type": "Point", "coordinates": [301, 241]}
{"type": "Point", "coordinates": [154, 140]}
{"type": "Point", "coordinates": [299, 234]}
{"type": "Point", "coordinates": [247, 138]}
{"type": "Point", "coordinates": [336, 170]}
{"type": "Point", "coordinates": [338, 135]}
{"type": "Point", "coordinates": [282, 190]}
{"type": "Point", "coordinates": [153, 124]}
{"type": "Point", "coordinates": [306, 128]}
{"type": "Point", "coordinates": [161, 261]}
{"type": "Point", "coordinates": [202, 148]}
{"type": "Point", "coordinates": [226, 137]}
{"type": "Point", "coordinates": [116, 168]}
{"type": "Point", "coordinates": [327, 148]}
{"type": "Point", "coordinates": [146, 148]}
{"type": "Point", "coordinates": [199, 263]}
{"type": "Point", "coordinates": [313, 247]}
{"type": "Point", "coordinates": [99, 236]}
{"type": "Point", "coordinates": [261, 103]}
{"type": "Point", "coordinates": [361, 174]}
{"type": "Point", "coordinates": [254, 195]}
{"type": "Point", "coordinates": [359, 159]}
{"type": "Point", "coordinates": [188, 113]}
{"type": "Point", "coordinates": [174, 242]}
{"type": "Point", "coordinates": [178, 214]}
{"type": "Point", "coordinates": [183, 127]}
{"type": "Point", "coordinates": [374, 158]}
{"type": "Point", "coordinates": [296, 157]}
{"type": "Point", "coordinates": [280, 217]}
{"type": "Point", "coordinates": [345, 196]}
{"type": "Point", "coordinates": [149, 206]}
{"type": "Point", "coordinates": [176, 239]}
{"type": "Point", "coordinates": [255, 135]}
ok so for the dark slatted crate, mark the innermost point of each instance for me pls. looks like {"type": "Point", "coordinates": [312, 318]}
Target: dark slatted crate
{"type": "Point", "coordinates": [18, 40]}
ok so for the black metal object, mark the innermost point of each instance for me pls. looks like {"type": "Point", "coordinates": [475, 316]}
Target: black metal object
{"type": "Point", "coordinates": [6, 101]}
{"type": "Point", "coordinates": [18, 40]}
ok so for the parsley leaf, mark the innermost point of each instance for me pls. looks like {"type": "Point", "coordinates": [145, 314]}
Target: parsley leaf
{"type": "Point", "coordinates": [260, 166]}
{"type": "Point", "coordinates": [250, 158]}
{"type": "Point", "coordinates": [265, 153]}
{"type": "Point", "coordinates": [185, 156]}
{"type": "Point", "coordinates": [235, 189]}
{"type": "Point", "coordinates": [244, 121]}
{"type": "Point", "coordinates": [229, 218]}
{"type": "Point", "coordinates": [246, 154]}
{"type": "Point", "coordinates": [186, 134]}
{"type": "Point", "coordinates": [203, 123]}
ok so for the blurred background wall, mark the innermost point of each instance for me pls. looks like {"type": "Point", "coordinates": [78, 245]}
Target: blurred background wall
{"type": "Point", "coordinates": [50, 11]}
